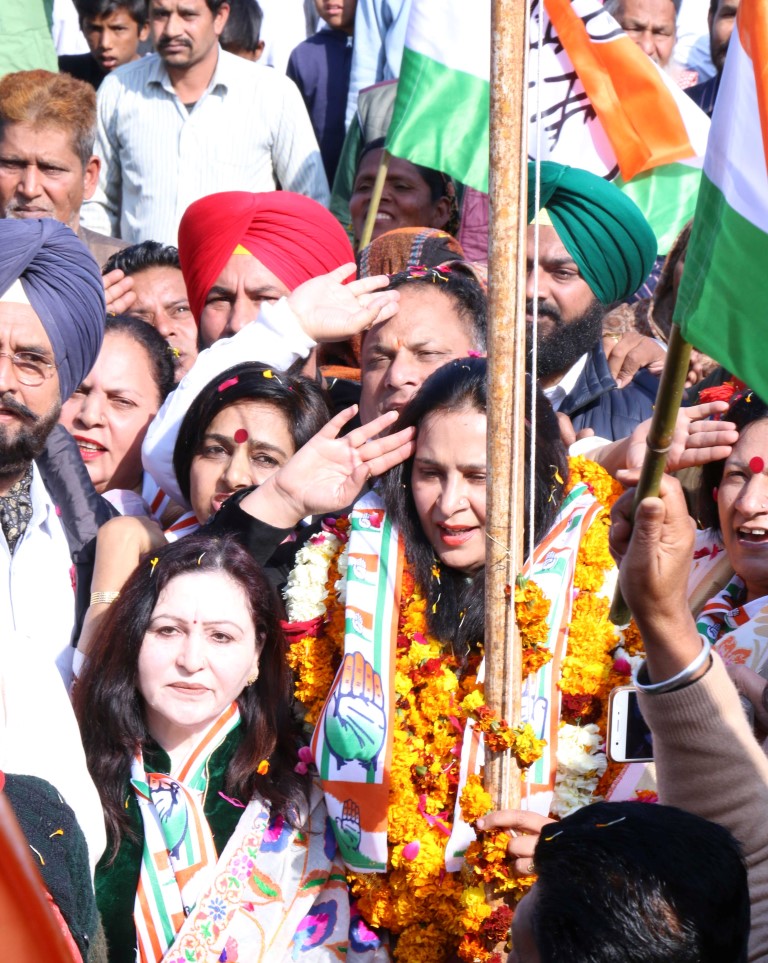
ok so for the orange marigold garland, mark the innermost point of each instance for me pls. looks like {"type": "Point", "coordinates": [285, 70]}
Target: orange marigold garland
{"type": "Point", "coordinates": [433, 915]}
{"type": "Point", "coordinates": [599, 657]}
{"type": "Point", "coordinates": [531, 614]}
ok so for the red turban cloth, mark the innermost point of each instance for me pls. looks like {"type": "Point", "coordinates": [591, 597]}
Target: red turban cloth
{"type": "Point", "coordinates": [293, 236]}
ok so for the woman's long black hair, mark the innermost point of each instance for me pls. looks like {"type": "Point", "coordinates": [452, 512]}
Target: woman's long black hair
{"type": "Point", "coordinates": [457, 601]}
{"type": "Point", "coordinates": [109, 706]}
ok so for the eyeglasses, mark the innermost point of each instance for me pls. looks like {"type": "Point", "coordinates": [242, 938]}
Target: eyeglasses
{"type": "Point", "coordinates": [31, 369]}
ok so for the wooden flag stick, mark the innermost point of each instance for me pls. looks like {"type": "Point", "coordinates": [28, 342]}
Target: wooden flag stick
{"type": "Point", "coordinates": [506, 380]}
{"type": "Point", "coordinates": [373, 207]}
{"type": "Point", "coordinates": [659, 439]}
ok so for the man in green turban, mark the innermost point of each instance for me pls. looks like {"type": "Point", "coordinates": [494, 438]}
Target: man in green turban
{"type": "Point", "coordinates": [595, 248]}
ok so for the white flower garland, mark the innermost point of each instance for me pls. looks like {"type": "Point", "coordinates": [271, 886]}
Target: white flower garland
{"type": "Point", "coordinates": [581, 756]}
{"type": "Point", "coordinates": [305, 593]}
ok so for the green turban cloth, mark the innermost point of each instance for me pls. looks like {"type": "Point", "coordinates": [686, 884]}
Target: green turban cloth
{"type": "Point", "coordinates": [604, 232]}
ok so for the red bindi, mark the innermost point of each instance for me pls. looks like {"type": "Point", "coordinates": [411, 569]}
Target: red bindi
{"type": "Point", "coordinates": [241, 435]}
{"type": "Point", "coordinates": [756, 465]}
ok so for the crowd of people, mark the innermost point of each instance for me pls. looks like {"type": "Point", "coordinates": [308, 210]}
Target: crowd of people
{"type": "Point", "coordinates": [243, 488]}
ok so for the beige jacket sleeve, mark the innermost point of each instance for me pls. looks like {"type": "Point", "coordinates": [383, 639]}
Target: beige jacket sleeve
{"type": "Point", "coordinates": [708, 762]}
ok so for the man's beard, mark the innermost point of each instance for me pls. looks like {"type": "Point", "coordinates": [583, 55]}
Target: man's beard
{"type": "Point", "coordinates": [567, 341]}
{"type": "Point", "coordinates": [717, 54]}
{"type": "Point", "coordinates": [18, 449]}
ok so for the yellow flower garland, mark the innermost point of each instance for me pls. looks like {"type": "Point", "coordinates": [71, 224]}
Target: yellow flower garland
{"type": "Point", "coordinates": [435, 914]}
{"type": "Point", "coordinates": [589, 671]}
{"type": "Point", "coordinates": [598, 654]}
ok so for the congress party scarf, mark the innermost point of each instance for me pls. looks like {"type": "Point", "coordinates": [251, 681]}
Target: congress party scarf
{"type": "Point", "coordinates": [179, 852]}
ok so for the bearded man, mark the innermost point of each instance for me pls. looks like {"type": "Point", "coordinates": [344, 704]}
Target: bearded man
{"type": "Point", "coordinates": [595, 249]}
{"type": "Point", "coordinates": [51, 328]}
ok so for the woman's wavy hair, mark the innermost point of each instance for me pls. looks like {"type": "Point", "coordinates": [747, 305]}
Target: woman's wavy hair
{"type": "Point", "coordinates": [745, 409]}
{"type": "Point", "coordinates": [457, 600]}
{"type": "Point", "coordinates": [109, 706]}
{"type": "Point", "coordinates": [299, 399]}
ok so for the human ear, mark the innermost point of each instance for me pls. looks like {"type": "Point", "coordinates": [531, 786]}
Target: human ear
{"type": "Point", "coordinates": [91, 176]}
{"type": "Point", "coordinates": [442, 213]}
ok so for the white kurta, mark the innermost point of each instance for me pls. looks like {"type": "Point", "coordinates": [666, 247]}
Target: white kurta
{"type": "Point", "coordinates": [37, 599]}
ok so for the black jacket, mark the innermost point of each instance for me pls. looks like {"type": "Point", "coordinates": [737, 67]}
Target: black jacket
{"type": "Point", "coordinates": [705, 94]}
{"type": "Point", "coordinates": [597, 402]}
{"type": "Point", "coordinates": [81, 509]}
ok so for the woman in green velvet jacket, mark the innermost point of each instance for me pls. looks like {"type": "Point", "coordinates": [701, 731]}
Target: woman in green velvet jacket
{"type": "Point", "coordinates": [219, 842]}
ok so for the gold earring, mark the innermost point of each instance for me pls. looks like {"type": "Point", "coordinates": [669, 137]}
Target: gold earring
{"type": "Point", "coordinates": [251, 679]}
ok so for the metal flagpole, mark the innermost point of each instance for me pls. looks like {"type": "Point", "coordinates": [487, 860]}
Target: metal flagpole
{"type": "Point", "coordinates": [506, 374]}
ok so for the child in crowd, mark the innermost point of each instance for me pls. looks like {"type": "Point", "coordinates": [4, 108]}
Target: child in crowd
{"type": "Point", "coordinates": [113, 30]}
{"type": "Point", "coordinates": [320, 67]}
{"type": "Point", "coordinates": [242, 31]}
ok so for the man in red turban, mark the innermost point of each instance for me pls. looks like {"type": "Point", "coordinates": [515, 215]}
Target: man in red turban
{"type": "Point", "coordinates": [238, 250]}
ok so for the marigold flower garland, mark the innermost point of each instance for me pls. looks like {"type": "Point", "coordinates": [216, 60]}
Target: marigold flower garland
{"type": "Point", "coordinates": [434, 914]}
{"type": "Point", "coordinates": [599, 657]}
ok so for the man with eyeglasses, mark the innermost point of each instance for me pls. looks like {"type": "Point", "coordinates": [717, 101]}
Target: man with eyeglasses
{"type": "Point", "coordinates": [51, 327]}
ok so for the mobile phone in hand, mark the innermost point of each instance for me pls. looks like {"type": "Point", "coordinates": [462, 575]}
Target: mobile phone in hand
{"type": "Point", "coordinates": [629, 738]}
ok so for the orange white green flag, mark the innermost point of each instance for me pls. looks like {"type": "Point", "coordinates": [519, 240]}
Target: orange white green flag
{"type": "Point", "coordinates": [604, 105]}
{"type": "Point", "coordinates": [722, 292]}
{"type": "Point", "coordinates": [597, 102]}
{"type": "Point", "coordinates": [440, 117]}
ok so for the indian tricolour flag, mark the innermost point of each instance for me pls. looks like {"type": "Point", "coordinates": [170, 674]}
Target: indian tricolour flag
{"type": "Point", "coordinates": [721, 300]}
{"type": "Point", "coordinates": [441, 111]}
{"type": "Point", "coordinates": [596, 101]}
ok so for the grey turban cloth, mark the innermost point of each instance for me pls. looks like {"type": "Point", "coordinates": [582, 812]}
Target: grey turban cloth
{"type": "Point", "coordinates": [64, 287]}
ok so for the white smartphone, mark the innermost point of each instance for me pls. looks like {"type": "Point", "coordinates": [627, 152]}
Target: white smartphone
{"type": "Point", "coordinates": [629, 738]}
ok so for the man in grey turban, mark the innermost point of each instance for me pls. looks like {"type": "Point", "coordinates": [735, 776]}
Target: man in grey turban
{"type": "Point", "coordinates": [51, 326]}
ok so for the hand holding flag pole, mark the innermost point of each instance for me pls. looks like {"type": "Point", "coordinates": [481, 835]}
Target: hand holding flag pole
{"type": "Point", "coordinates": [659, 439]}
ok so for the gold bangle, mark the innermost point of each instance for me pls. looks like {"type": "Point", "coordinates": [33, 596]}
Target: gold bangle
{"type": "Point", "coordinates": [104, 598]}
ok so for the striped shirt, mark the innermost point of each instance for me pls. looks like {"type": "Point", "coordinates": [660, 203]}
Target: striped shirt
{"type": "Point", "coordinates": [249, 132]}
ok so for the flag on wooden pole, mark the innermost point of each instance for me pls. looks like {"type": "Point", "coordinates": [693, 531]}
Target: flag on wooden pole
{"type": "Point", "coordinates": [722, 293]}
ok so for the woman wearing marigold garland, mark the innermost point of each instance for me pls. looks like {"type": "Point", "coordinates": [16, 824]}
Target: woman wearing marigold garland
{"type": "Point", "coordinates": [399, 608]}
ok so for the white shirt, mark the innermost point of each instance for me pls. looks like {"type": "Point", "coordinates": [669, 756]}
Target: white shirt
{"type": "Point", "coordinates": [692, 44]}
{"type": "Point", "coordinates": [248, 131]}
{"type": "Point", "coordinates": [37, 599]}
{"type": "Point", "coordinates": [274, 338]}
{"type": "Point", "coordinates": [285, 24]}
{"type": "Point", "coordinates": [558, 393]}
{"type": "Point", "coordinates": [380, 27]}
{"type": "Point", "coordinates": [65, 29]}
{"type": "Point", "coordinates": [39, 735]}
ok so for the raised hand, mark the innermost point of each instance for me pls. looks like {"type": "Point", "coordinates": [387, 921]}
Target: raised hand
{"type": "Point", "coordinates": [355, 723]}
{"type": "Point", "coordinates": [696, 440]}
{"type": "Point", "coordinates": [329, 310]}
{"type": "Point", "coordinates": [329, 472]}
{"type": "Point", "coordinates": [654, 557]}
{"type": "Point", "coordinates": [119, 546]}
{"type": "Point", "coordinates": [631, 352]}
{"type": "Point", "coordinates": [118, 290]}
